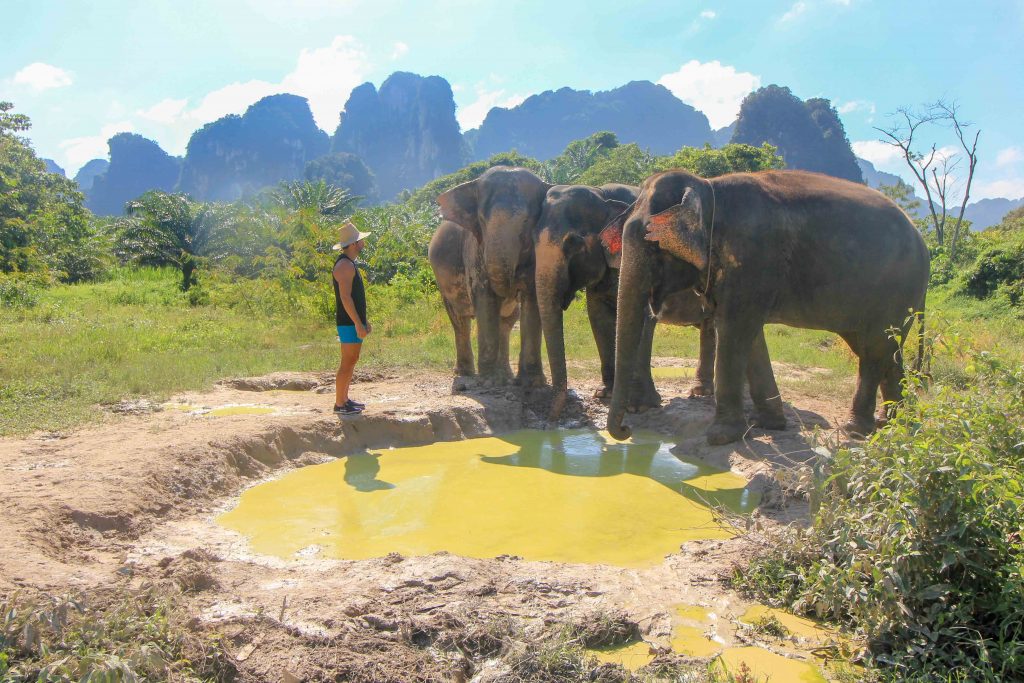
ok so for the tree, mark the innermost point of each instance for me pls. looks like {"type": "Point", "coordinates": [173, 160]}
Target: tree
{"type": "Point", "coordinates": [627, 164]}
{"type": "Point", "coordinates": [173, 230]}
{"type": "Point", "coordinates": [579, 155]}
{"type": "Point", "coordinates": [342, 169]}
{"type": "Point", "coordinates": [43, 224]}
{"type": "Point", "coordinates": [935, 170]}
{"type": "Point", "coordinates": [903, 195]}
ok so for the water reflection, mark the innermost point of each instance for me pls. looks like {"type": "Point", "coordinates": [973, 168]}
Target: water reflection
{"type": "Point", "coordinates": [590, 454]}
{"type": "Point", "coordinates": [361, 472]}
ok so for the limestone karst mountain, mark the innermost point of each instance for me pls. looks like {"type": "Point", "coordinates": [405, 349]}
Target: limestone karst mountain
{"type": "Point", "coordinates": [808, 135]}
{"type": "Point", "coordinates": [236, 156]}
{"type": "Point", "coordinates": [640, 111]}
{"type": "Point", "coordinates": [137, 165]}
{"type": "Point", "coordinates": [406, 132]}
{"type": "Point", "coordinates": [87, 174]}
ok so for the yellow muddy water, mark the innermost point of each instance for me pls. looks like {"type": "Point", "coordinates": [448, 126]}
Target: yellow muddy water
{"type": "Point", "coordinates": [566, 496]}
{"type": "Point", "coordinates": [225, 411]}
{"type": "Point", "coordinates": [768, 666]}
{"type": "Point", "coordinates": [673, 372]}
{"type": "Point", "coordinates": [633, 656]}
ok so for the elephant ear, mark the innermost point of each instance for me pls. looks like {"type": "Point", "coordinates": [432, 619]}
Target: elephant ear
{"type": "Point", "coordinates": [611, 235]}
{"type": "Point", "coordinates": [459, 205]}
{"type": "Point", "coordinates": [679, 230]}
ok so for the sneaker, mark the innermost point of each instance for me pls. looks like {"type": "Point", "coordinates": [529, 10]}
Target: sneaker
{"type": "Point", "coordinates": [357, 404]}
{"type": "Point", "coordinates": [347, 409]}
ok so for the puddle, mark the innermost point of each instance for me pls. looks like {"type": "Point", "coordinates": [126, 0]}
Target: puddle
{"type": "Point", "coordinates": [225, 411]}
{"type": "Point", "coordinates": [690, 640]}
{"type": "Point", "coordinates": [568, 496]}
{"type": "Point", "coordinates": [803, 629]}
{"type": "Point", "coordinates": [632, 657]}
{"type": "Point", "coordinates": [673, 372]}
{"type": "Point", "coordinates": [767, 666]}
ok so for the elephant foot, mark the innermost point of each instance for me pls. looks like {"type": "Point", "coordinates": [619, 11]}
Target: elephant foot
{"type": "Point", "coordinates": [702, 389]}
{"type": "Point", "coordinates": [642, 400]}
{"type": "Point", "coordinates": [768, 420]}
{"type": "Point", "coordinates": [558, 405]}
{"type": "Point", "coordinates": [462, 383]}
{"type": "Point", "coordinates": [603, 392]}
{"type": "Point", "coordinates": [491, 380]}
{"type": "Point", "coordinates": [858, 427]}
{"type": "Point", "coordinates": [726, 431]}
{"type": "Point", "coordinates": [530, 380]}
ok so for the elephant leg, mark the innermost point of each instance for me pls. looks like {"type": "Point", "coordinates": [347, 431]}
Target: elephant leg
{"type": "Point", "coordinates": [705, 385]}
{"type": "Point", "coordinates": [601, 311]}
{"type": "Point", "coordinates": [531, 372]}
{"type": "Point", "coordinates": [892, 389]}
{"type": "Point", "coordinates": [643, 394]}
{"type": "Point", "coordinates": [488, 337]}
{"type": "Point", "coordinates": [509, 314]}
{"type": "Point", "coordinates": [764, 391]}
{"type": "Point", "coordinates": [876, 358]}
{"type": "Point", "coordinates": [736, 334]}
{"type": "Point", "coordinates": [463, 346]}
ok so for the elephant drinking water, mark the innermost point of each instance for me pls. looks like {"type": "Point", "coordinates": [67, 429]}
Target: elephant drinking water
{"type": "Point", "coordinates": [789, 247]}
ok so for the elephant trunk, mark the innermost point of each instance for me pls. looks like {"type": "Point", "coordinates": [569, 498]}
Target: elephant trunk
{"type": "Point", "coordinates": [502, 253]}
{"type": "Point", "coordinates": [631, 305]}
{"type": "Point", "coordinates": [552, 280]}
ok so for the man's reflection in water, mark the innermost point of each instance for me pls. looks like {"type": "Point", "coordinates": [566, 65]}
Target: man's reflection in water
{"type": "Point", "coordinates": [361, 470]}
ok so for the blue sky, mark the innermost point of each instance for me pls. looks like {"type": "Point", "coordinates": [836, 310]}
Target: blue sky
{"type": "Point", "coordinates": [85, 70]}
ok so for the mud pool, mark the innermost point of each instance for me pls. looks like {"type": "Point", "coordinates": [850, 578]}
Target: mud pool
{"type": "Point", "coordinates": [567, 496]}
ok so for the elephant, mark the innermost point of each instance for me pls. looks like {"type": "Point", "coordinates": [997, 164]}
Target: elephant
{"type": "Point", "coordinates": [570, 257]}
{"type": "Point", "coordinates": [791, 247]}
{"type": "Point", "coordinates": [455, 259]}
{"type": "Point", "coordinates": [499, 210]}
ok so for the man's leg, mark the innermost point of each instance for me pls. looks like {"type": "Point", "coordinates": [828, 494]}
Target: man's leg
{"type": "Point", "coordinates": [349, 357]}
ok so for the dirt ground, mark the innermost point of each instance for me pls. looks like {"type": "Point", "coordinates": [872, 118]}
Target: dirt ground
{"type": "Point", "coordinates": [131, 502]}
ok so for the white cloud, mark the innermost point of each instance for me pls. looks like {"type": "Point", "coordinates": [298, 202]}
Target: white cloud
{"type": "Point", "coordinates": [708, 14]}
{"type": "Point", "coordinates": [795, 11]}
{"type": "Point", "coordinates": [856, 105]}
{"type": "Point", "coordinates": [1009, 156]}
{"type": "Point", "coordinates": [77, 151]}
{"type": "Point", "coordinates": [165, 112]}
{"type": "Point", "coordinates": [1010, 188]}
{"type": "Point", "coordinates": [713, 88]}
{"type": "Point", "coordinates": [40, 76]}
{"type": "Point", "coordinates": [326, 76]}
{"type": "Point", "coordinates": [399, 50]}
{"type": "Point", "coordinates": [879, 153]}
{"type": "Point", "coordinates": [473, 114]}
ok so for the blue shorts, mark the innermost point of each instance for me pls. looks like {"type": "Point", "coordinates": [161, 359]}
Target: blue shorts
{"type": "Point", "coordinates": [347, 335]}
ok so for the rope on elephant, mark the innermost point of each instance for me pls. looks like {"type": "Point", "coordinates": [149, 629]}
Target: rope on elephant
{"type": "Point", "coordinates": [711, 238]}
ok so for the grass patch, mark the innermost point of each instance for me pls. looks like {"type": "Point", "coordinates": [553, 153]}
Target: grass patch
{"type": "Point", "coordinates": [137, 637]}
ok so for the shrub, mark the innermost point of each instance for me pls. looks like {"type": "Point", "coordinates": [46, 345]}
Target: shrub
{"type": "Point", "coordinates": [918, 541]}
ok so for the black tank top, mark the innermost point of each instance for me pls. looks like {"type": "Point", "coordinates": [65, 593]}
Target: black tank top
{"type": "Point", "coordinates": [341, 316]}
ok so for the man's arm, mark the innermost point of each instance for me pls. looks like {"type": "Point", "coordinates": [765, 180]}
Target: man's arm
{"type": "Point", "coordinates": [344, 273]}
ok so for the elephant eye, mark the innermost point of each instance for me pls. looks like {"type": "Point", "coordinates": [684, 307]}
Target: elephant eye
{"type": "Point", "coordinates": [572, 242]}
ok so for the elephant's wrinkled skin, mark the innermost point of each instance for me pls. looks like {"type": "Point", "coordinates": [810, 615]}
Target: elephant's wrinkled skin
{"type": "Point", "coordinates": [788, 247]}
{"type": "Point", "coordinates": [500, 210]}
{"type": "Point", "coordinates": [455, 258]}
{"type": "Point", "coordinates": [570, 257]}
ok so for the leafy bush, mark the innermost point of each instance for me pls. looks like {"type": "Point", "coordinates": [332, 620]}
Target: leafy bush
{"type": "Point", "coordinates": [999, 268]}
{"type": "Point", "coordinates": [918, 540]}
{"type": "Point", "coordinates": [137, 638]}
{"type": "Point", "coordinates": [18, 290]}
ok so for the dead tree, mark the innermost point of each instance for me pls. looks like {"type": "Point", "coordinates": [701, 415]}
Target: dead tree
{"type": "Point", "coordinates": [933, 170]}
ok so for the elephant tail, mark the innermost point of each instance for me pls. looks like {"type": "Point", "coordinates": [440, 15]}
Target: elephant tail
{"type": "Point", "coordinates": [919, 361]}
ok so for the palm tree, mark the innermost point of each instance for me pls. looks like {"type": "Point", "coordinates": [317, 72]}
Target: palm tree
{"type": "Point", "coordinates": [174, 230]}
{"type": "Point", "coordinates": [321, 198]}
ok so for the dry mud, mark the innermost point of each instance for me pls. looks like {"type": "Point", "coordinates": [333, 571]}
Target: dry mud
{"type": "Point", "coordinates": [132, 502]}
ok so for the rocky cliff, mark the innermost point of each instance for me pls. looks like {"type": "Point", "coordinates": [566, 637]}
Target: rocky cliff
{"type": "Point", "coordinates": [406, 132]}
{"type": "Point", "coordinates": [640, 111]}
{"type": "Point", "coordinates": [87, 174]}
{"type": "Point", "coordinates": [236, 156]}
{"type": "Point", "coordinates": [808, 135]}
{"type": "Point", "coordinates": [137, 165]}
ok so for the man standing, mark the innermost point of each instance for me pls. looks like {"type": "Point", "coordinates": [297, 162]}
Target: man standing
{"type": "Point", "coordinates": [350, 314]}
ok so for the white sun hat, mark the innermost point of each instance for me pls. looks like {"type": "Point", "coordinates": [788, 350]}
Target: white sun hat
{"type": "Point", "coordinates": [349, 234]}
